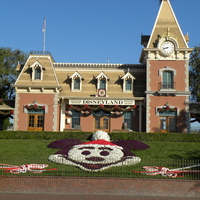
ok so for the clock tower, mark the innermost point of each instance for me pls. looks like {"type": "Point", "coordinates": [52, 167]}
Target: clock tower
{"type": "Point", "coordinates": [166, 56]}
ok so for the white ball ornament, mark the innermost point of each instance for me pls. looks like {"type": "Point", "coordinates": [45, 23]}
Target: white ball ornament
{"type": "Point", "coordinates": [100, 135]}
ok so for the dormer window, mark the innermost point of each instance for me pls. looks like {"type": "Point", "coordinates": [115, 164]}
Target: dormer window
{"type": "Point", "coordinates": [102, 83]}
{"type": "Point", "coordinates": [37, 71]}
{"type": "Point", "coordinates": [76, 84]}
{"type": "Point", "coordinates": [128, 85]}
{"type": "Point", "coordinates": [128, 79]}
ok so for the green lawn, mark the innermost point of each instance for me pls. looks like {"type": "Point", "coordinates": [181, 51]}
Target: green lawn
{"type": "Point", "coordinates": [15, 149]}
{"type": "Point", "coordinates": [171, 150]}
{"type": "Point", "coordinates": [168, 154]}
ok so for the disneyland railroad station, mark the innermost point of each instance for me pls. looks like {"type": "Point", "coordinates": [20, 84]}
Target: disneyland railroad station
{"type": "Point", "coordinates": [151, 96]}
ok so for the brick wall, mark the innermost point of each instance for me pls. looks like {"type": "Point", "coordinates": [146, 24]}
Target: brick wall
{"type": "Point", "coordinates": [108, 186]}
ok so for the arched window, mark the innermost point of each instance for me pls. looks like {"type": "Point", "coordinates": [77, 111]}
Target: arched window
{"type": "Point", "coordinates": [168, 80]}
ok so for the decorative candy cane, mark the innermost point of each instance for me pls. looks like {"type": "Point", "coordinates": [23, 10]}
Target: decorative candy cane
{"type": "Point", "coordinates": [33, 168]}
{"type": "Point", "coordinates": [173, 173]}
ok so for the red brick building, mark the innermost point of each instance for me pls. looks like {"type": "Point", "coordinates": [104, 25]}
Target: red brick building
{"type": "Point", "coordinates": [151, 96]}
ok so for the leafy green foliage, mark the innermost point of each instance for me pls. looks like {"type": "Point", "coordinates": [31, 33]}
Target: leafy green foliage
{"type": "Point", "coordinates": [195, 74]}
{"type": "Point", "coordinates": [8, 62]}
{"type": "Point", "coordinates": [45, 135]}
{"type": "Point", "coordinates": [162, 137]}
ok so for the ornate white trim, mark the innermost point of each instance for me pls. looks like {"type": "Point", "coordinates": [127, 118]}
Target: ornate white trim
{"type": "Point", "coordinates": [76, 75]}
{"type": "Point", "coordinates": [34, 66]}
{"type": "Point", "coordinates": [128, 76]}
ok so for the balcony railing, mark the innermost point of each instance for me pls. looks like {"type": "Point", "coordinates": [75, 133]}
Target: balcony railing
{"type": "Point", "coordinates": [166, 86]}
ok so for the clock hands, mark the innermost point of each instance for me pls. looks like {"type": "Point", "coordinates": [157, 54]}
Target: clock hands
{"type": "Point", "coordinates": [167, 47]}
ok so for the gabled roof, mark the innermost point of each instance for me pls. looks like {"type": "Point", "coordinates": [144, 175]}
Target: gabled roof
{"type": "Point", "coordinates": [102, 75]}
{"type": "Point", "coordinates": [76, 74]}
{"type": "Point", "coordinates": [166, 21]}
{"type": "Point", "coordinates": [7, 104]}
{"type": "Point", "coordinates": [49, 77]}
{"type": "Point", "coordinates": [37, 64]}
{"type": "Point", "coordinates": [128, 75]}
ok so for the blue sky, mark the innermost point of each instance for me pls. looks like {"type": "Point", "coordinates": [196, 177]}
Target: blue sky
{"type": "Point", "coordinates": [89, 31]}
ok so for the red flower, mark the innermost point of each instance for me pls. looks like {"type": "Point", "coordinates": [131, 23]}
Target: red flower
{"type": "Point", "coordinates": [85, 106]}
{"type": "Point", "coordinates": [135, 106]}
{"type": "Point", "coordinates": [101, 105]}
{"type": "Point", "coordinates": [12, 112]}
{"type": "Point", "coordinates": [26, 106]}
{"type": "Point", "coordinates": [43, 107]}
{"type": "Point", "coordinates": [167, 108]}
{"type": "Point", "coordinates": [35, 106]}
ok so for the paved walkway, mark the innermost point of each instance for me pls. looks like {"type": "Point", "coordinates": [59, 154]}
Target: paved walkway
{"type": "Point", "coordinates": [22, 196]}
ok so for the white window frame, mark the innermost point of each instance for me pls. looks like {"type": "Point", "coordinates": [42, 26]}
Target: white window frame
{"type": "Point", "coordinates": [74, 76]}
{"type": "Point", "coordinates": [128, 76]}
{"type": "Point", "coordinates": [102, 75]}
{"type": "Point", "coordinates": [161, 72]}
{"type": "Point", "coordinates": [34, 66]}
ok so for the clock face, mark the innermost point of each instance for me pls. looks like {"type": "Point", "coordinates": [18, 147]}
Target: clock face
{"type": "Point", "coordinates": [167, 47]}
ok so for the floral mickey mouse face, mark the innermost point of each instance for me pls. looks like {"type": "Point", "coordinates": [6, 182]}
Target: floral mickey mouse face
{"type": "Point", "coordinates": [94, 156]}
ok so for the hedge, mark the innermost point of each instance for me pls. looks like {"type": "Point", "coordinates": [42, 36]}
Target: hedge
{"type": "Point", "coordinates": [167, 137]}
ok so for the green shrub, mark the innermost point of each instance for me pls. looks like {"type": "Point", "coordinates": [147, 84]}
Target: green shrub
{"type": "Point", "coordinates": [167, 137]}
{"type": "Point", "coordinates": [46, 135]}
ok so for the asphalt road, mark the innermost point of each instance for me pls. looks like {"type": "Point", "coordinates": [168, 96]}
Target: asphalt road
{"type": "Point", "coordinates": [28, 196]}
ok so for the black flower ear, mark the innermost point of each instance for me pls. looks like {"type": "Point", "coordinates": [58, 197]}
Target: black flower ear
{"type": "Point", "coordinates": [64, 144]}
{"type": "Point", "coordinates": [131, 144]}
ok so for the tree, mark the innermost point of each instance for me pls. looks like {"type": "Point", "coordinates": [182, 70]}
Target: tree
{"type": "Point", "coordinates": [194, 75]}
{"type": "Point", "coordinates": [8, 74]}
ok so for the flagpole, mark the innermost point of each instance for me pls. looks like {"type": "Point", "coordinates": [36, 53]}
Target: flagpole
{"type": "Point", "coordinates": [44, 45]}
{"type": "Point", "coordinates": [44, 35]}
